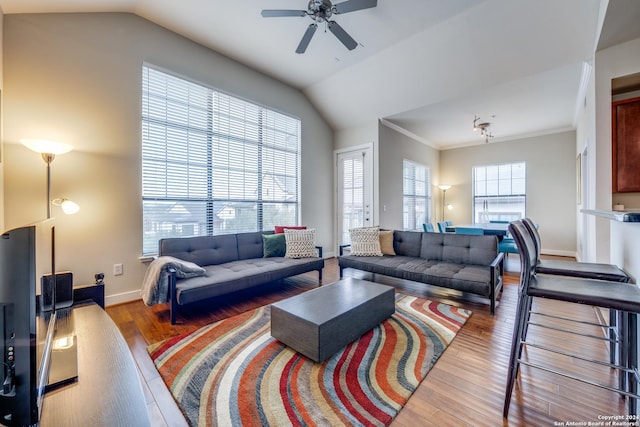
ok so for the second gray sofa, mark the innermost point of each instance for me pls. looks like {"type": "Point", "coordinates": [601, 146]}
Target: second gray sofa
{"type": "Point", "coordinates": [462, 262]}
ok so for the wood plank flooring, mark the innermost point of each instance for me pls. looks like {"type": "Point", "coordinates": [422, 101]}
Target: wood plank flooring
{"type": "Point", "coordinates": [465, 387]}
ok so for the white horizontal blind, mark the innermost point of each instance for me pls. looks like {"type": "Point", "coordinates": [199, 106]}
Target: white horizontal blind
{"type": "Point", "coordinates": [499, 190]}
{"type": "Point", "coordinates": [213, 163]}
{"type": "Point", "coordinates": [416, 185]}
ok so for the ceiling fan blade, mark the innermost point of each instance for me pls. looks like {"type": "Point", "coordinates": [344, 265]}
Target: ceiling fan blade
{"type": "Point", "coordinates": [277, 13]}
{"type": "Point", "coordinates": [353, 5]}
{"type": "Point", "coordinates": [306, 38]}
{"type": "Point", "coordinates": [342, 35]}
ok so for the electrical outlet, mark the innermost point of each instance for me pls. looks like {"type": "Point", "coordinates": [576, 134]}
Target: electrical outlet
{"type": "Point", "coordinates": [118, 270]}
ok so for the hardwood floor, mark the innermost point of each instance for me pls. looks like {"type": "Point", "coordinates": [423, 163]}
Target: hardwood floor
{"type": "Point", "coordinates": [465, 387]}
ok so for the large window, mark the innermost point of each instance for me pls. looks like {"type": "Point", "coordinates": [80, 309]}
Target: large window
{"type": "Point", "coordinates": [213, 163]}
{"type": "Point", "coordinates": [499, 192]}
{"type": "Point", "coordinates": [416, 200]}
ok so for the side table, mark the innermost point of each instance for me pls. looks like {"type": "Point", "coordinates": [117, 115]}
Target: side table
{"type": "Point", "coordinates": [93, 292]}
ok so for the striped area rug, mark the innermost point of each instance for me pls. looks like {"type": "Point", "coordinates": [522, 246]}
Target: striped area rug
{"type": "Point", "coordinates": [233, 373]}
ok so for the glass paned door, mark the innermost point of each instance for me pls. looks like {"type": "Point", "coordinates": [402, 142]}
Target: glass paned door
{"type": "Point", "coordinates": [354, 172]}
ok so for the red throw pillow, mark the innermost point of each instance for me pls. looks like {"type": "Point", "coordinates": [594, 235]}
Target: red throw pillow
{"type": "Point", "coordinates": [280, 228]}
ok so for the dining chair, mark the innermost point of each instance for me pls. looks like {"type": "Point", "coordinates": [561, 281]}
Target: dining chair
{"type": "Point", "coordinates": [470, 231]}
{"type": "Point", "coordinates": [442, 227]}
{"type": "Point", "coordinates": [508, 246]}
{"type": "Point", "coordinates": [428, 227]}
{"type": "Point", "coordinates": [612, 295]}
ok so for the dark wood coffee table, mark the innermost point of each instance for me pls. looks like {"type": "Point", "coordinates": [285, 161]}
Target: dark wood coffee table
{"type": "Point", "coordinates": [320, 322]}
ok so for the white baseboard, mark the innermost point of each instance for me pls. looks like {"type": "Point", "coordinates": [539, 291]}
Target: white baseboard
{"type": "Point", "coordinates": [122, 298]}
{"type": "Point", "coordinates": [556, 252]}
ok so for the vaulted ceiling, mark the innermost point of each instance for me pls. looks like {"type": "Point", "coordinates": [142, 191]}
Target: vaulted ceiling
{"type": "Point", "coordinates": [426, 67]}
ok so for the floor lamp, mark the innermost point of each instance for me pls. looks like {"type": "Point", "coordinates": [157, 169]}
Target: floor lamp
{"type": "Point", "coordinates": [49, 150]}
{"type": "Point", "coordinates": [444, 189]}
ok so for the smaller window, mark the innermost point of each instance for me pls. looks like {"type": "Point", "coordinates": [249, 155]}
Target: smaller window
{"type": "Point", "coordinates": [499, 192]}
{"type": "Point", "coordinates": [416, 200]}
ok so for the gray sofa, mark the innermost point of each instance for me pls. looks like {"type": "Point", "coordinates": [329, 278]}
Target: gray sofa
{"type": "Point", "coordinates": [462, 262]}
{"type": "Point", "coordinates": [232, 262]}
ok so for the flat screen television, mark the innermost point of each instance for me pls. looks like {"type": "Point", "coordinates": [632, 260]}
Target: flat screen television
{"type": "Point", "coordinates": [26, 255]}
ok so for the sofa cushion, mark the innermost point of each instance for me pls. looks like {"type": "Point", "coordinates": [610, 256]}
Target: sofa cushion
{"type": "Point", "coordinates": [300, 243]}
{"type": "Point", "coordinates": [459, 248]}
{"type": "Point", "coordinates": [365, 241]}
{"type": "Point", "coordinates": [250, 244]}
{"type": "Point", "coordinates": [407, 243]}
{"type": "Point", "coordinates": [274, 245]}
{"type": "Point", "coordinates": [238, 275]}
{"type": "Point", "coordinates": [202, 250]}
{"type": "Point", "coordinates": [466, 278]}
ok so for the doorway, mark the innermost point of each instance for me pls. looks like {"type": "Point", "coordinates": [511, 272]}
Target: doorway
{"type": "Point", "coordinates": [354, 170]}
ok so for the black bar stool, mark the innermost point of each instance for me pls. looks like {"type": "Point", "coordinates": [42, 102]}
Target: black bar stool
{"type": "Point", "coordinates": [585, 270]}
{"type": "Point", "coordinates": [622, 297]}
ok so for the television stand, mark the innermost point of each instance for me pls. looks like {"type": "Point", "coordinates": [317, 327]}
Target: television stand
{"type": "Point", "coordinates": [63, 365]}
{"type": "Point", "coordinates": [108, 390]}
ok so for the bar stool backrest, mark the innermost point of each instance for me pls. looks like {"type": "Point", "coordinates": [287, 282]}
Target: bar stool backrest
{"type": "Point", "coordinates": [533, 231]}
{"type": "Point", "coordinates": [527, 250]}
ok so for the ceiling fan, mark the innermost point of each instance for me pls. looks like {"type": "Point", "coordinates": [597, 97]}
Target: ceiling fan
{"type": "Point", "coordinates": [321, 11]}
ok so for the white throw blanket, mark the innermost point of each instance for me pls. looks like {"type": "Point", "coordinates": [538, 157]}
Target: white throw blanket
{"type": "Point", "coordinates": [155, 285]}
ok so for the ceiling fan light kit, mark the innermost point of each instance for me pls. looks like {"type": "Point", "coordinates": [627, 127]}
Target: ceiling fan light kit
{"type": "Point", "coordinates": [320, 11]}
{"type": "Point", "coordinates": [483, 127]}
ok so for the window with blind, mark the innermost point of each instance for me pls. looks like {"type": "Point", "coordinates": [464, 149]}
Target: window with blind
{"type": "Point", "coordinates": [416, 200]}
{"type": "Point", "coordinates": [213, 163]}
{"type": "Point", "coordinates": [499, 192]}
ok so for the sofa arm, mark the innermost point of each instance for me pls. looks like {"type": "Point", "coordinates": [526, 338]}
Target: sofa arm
{"type": "Point", "coordinates": [497, 267]}
{"type": "Point", "coordinates": [342, 248]}
{"type": "Point", "coordinates": [173, 295]}
{"type": "Point", "coordinates": [319, 249]}
{"type": "Point", "coordinates": [497, 271]}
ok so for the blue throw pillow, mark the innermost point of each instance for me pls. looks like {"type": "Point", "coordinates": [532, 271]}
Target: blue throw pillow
{"type": "Point", "coordinates": [274, 245]}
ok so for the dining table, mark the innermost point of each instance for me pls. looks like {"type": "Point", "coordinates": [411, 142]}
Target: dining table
{"type": "Point", "coordinates": [499, 229]}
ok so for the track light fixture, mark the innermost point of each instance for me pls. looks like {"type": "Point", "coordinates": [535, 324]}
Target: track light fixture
{"type": "Point", "coordinates": [483, 127]}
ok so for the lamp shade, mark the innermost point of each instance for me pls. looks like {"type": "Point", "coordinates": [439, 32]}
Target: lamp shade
{"type": "Point", "coordinates": [444, 187]}
{"type": "Point", "coordinates": [45, 146]}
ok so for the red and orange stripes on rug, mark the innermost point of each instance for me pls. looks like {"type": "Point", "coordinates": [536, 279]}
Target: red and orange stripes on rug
{"type": "Point", "coordinates": [233, 373]}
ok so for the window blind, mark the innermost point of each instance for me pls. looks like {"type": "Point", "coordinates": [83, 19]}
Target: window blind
{"type": "Point", "coordinates": [416, 195]}
{"type": "Point", "coordinates": [213, 163]}
{"type": "Point", "coordinates": [499, 189]}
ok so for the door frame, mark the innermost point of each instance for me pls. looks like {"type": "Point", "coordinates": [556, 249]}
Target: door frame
{"type": "Point", "coordinates": [369, 149]}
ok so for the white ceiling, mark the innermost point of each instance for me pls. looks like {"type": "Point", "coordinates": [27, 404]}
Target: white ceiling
{"type": "Point", "coordinates": [424, 66]}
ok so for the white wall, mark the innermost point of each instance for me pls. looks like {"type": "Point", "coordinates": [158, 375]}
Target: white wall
{"type": "Point", "coordinates": [585, 144]}
{"type": "Point", "coordinates": [551, 183]}
{"type": "Point", "coordinates": [1, 125]}
{"type": "Point", "coordinates": [616, 243]}
{"type": "Point", "coordinates": [394, 148]}
{"type": "Point", "coordinates": [76, 78]}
